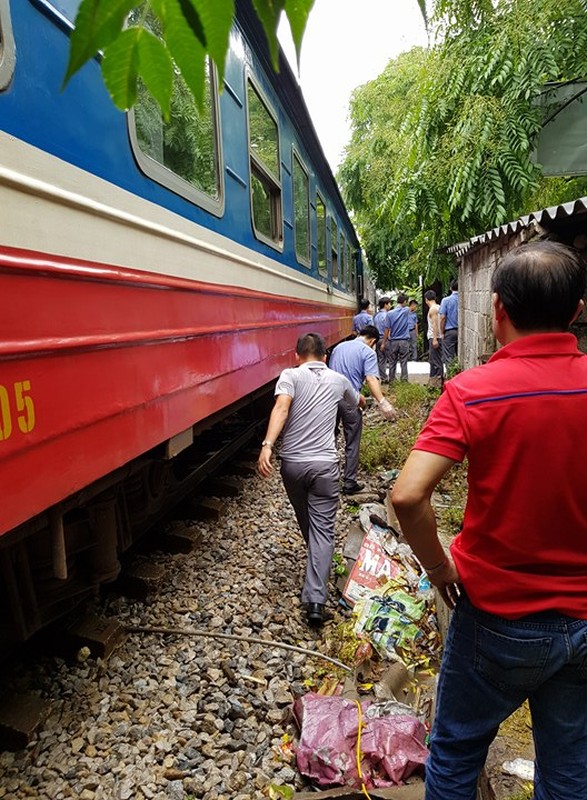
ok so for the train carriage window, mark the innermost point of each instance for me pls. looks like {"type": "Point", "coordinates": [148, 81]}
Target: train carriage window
{"type": "Point", "coordinates": [321, 236]}
{"type": "Point", "coordinates": [334, 248]}
{"type": "Point", "coordinates": [348, 261]}
{"type": "Point", "coordinates": [183, 153]}
{"type": "Point", "coordinates": [6, 46]}
{"type": "Point", "coordinates": [301, 198]}
{"type": "Point", "coordinates": [353, 263]}
{"type": "Point", "coordinates": [265, 169]}
{"type": "Point", "coordinates": [342, 259]}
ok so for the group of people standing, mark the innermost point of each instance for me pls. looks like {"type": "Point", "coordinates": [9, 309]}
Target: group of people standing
{"type": "Point", "coordinates": [398, 334]}
{"type": "Point", "coordinates": [398, 331]}
{"type": "Point", "coordinates": [311, 401]}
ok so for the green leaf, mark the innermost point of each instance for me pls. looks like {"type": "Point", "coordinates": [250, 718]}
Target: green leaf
{"type": "Point", "coordinates": [297, 13]}
{"type": "Point", "coordinates": [190, 12]}
{"type": "Point", "coordinates": [120, 67]}
{"type": "Point", "coordinates": [217, 17]}
{"type": "Point", "coordinates": [186, 50]}
{"type": "Point", "coordinates": [422, 5]}
{"type": "Point", "coordinates": [156, 70]}
{"type": "Point", "coordinates": [277, 792]}
{"type": "Point", "coordinates": [97, 24]}
{"type": "Point", "coordinates": [269, 12]}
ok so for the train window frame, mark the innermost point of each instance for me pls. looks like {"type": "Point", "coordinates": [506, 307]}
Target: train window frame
{"type": "Point", "coordinates": [303, 258]}
{"type": "Point", "coordinates": [334, 273]}
{"type": "Point", "coordinates": [354, 260]}
{"type": "Point", "coordinates": [342, 260]}
{"type": "Point", "coordinates": [259, 171]}
{"type": "Point", "coordinates": [171, 180]}
{"type": "Point", "coordinates": [7, 51]}
{"type": "Point", "coordinates": [322, 271]}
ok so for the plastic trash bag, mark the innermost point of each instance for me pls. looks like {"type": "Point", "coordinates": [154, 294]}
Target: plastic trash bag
{"type": "Point", "coordinates": [392, 741]}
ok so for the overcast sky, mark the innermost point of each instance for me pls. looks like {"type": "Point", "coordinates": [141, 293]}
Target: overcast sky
{"type": "Point", "coordinates": [346, 44]}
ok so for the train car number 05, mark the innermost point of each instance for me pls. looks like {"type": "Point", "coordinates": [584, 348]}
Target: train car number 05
{"type": "Point", "coordinates": [24, 407]}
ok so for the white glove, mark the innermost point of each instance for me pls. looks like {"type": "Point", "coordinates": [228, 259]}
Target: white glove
{"type": "Point", "coordinates": [386, 409]}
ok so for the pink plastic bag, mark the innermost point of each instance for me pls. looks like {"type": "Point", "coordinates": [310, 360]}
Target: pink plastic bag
{"type": "Point", "coordinates": [392, 745]}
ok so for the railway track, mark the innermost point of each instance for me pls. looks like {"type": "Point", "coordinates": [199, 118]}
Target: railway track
{"type": "Point", "coordinates": [170, 715]}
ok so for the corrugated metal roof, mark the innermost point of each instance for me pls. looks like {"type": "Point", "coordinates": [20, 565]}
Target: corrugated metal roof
{"type": "Point", "coordinates": [540, 217]}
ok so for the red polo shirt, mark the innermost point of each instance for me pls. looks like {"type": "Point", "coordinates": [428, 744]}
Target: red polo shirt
{"type": "Point", "coordinates": [521, 421]}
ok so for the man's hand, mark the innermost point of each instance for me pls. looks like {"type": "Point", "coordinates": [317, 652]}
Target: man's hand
{"type": "Point", "coordinates": [435, 344]}
{"type": "Point", "coordinates": [447, 580]}
{"type": "Point", "coordinates": [386, 410]}
{"type": "Point", "coordinates": [362, 401]}
{"type": "Point", "coordinates": [264, 465]}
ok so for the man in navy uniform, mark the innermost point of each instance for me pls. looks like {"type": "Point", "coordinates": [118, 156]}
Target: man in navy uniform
{"type": "Point", "coordinates": [356, 360]}
{"type": "Point", "coordinates": [413, 312]}
{"type": "Point", "coordinates": [449, 323]}
{"type": "Point", "coordinates": [363, 317]}
{"type": "Point", "coordinates": [379, 323]}
{"type": "Point", "coordinates": [396, 338]}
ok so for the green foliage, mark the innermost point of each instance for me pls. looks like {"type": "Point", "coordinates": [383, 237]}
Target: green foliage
{"type": "Point", "coordinates": [453, 368]}
{"type": "Point", "coordinates": [190, 31]}
{"type": "Point", "coordinates": [339, 566]}
{"type": "Point", "coordinates": [526, 793]}
{"type": "Point", "coordinates": [450, 519]}
{"type": "Point", "coordinates": [442, 140]}
{"type": "Point", "coordinates": [386, 445]}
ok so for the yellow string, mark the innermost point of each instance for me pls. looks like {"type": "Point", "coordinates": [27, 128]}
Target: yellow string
{"type": "Point", "coordinates": [363, 787]}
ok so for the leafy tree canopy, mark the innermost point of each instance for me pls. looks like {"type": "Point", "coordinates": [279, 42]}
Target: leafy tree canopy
{"type": "Point", "coordinates": [442, 140]}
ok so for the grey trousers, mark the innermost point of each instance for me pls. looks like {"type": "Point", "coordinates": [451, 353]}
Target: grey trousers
{"type": "Point", "coordinates": [313, 491]}
{"type": "Point", "coordinates": [399, 350]}
{"type": "Point", "coordinates": [435, 358]}
{"type": "Point", "coordinates": [413, 345]}
{"type": "Point", "coordinates": [449, 345]}
{"type": "Point", "coordinates": [352, 426]}
{"type": "Point", "coordinates": [382, 364]}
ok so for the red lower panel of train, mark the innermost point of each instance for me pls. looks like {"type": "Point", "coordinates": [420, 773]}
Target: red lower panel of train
{"type": "Point", "coordinates": [99, 364]}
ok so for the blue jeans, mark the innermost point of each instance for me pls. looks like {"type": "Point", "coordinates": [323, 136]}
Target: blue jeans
{"type": "Point", "coordinates": [489, 667]}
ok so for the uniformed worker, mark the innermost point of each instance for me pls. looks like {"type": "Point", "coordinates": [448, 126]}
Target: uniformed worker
{"type": "Point", "coordinates": [357, 361]}
{"type": "Point", "coordinates": [363, 317]}
{"type": "Point", "coordinates": [379, 322]}
{"type": "Point", "coordinates": [306, 405]}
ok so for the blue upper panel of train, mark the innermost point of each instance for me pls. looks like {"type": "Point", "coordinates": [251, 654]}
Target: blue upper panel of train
{"type": "Point", "coordinates": [261, 177]}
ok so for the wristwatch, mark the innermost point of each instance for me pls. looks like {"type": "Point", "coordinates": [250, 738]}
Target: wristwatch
{"type": "Point", "coordinates": [267, 443]}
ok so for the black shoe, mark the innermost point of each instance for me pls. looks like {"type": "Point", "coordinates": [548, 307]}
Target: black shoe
{"type": "Point", "coordinates": [353, 487]}
{"type": "Point", "coordinates": [317, 614]}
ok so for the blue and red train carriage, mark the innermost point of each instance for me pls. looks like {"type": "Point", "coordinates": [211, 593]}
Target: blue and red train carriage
{"type": "Point", "coordinates": [152, 276]}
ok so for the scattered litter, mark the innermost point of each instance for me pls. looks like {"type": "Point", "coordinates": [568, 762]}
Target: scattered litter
{"type": "Point", "coordinates": [374, 564]}
{"type": "Point", "coordinates": [393, 599]}
{"type": "Point", "coordinates": [392, 741]}
{"type": "Point", "coordinates": [389, 475]}
{"type": "Point", "coordinates": [277, 792]}
{"type": "Point", "coordinates": [375, 519]}
{"type": "Point", "coordinates": [390, 619]}
{"type": "Point", "coordinates": [520, 767]}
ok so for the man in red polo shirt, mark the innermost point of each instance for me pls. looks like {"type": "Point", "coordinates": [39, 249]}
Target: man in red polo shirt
{"type": "Point", "coordinates": [516, 575]}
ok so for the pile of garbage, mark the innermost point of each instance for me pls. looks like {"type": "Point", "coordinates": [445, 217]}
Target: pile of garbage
{"type": "Point", "coordinates": [350, 740]}
{"type": "Point", "coordinates": [394, 605]}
